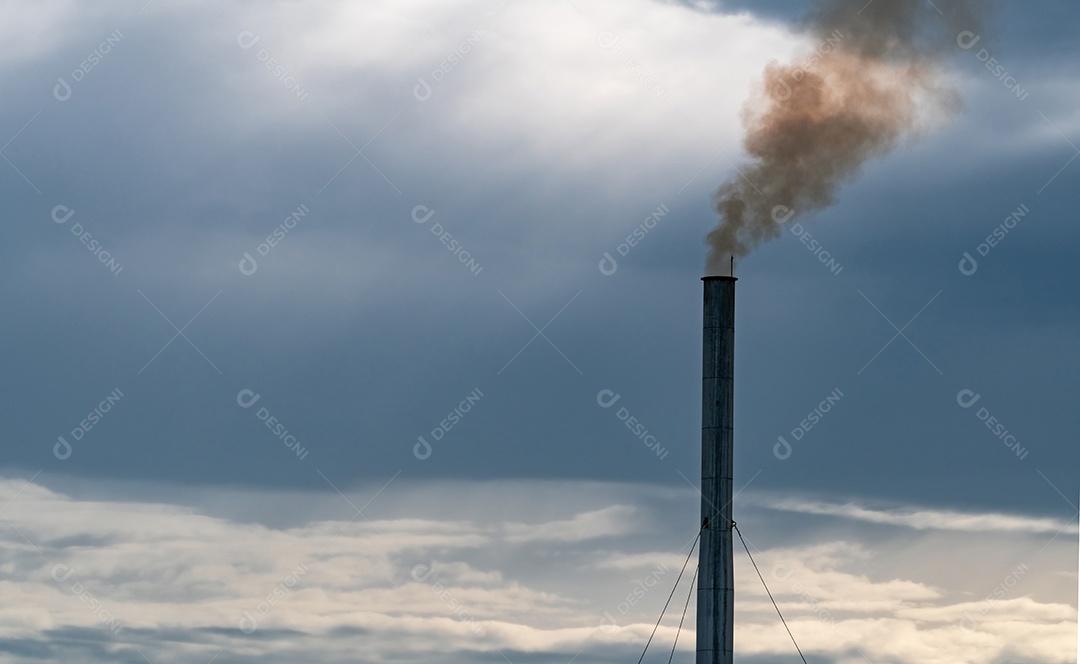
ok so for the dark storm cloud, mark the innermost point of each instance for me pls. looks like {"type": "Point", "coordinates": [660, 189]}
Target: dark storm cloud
{"type": "Point", "coordinates": [361, 330]}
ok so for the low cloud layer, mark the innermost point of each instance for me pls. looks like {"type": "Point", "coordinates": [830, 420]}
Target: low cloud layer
{"type": "Point", "coordinates": [586, 574]}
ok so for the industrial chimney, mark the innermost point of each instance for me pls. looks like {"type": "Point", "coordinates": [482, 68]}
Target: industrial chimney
{"type": "Point", "coordinates": [716, 586]}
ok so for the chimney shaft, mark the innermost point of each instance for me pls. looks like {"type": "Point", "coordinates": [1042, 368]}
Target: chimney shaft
{"type": "Point", "coordinates": [716, 587]}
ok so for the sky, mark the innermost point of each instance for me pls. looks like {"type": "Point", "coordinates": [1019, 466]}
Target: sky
{"type": "Point", "coordinates": [313, 309]}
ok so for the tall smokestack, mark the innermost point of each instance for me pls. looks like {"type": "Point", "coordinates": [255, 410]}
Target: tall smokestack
{"type": "Point", "coordinates": [716, 584]}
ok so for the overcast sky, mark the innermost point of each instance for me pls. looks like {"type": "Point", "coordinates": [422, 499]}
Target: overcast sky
{"type": "Point", "coordinates": [333, 292]}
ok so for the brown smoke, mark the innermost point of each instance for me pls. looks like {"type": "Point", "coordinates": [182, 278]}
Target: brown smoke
{"type": "Point", "coordinates": [872, 75]}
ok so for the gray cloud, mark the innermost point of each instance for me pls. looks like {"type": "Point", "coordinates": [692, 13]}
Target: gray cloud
{"type": "Point", "coordinates": [456, 584]}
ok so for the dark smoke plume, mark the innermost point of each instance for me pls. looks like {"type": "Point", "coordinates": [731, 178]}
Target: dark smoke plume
{"type": "Point", "coordinates": [873, 75]}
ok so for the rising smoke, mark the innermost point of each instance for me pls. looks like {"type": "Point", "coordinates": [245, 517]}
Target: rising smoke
{"type": "Point", "coordinates": [872, 78]}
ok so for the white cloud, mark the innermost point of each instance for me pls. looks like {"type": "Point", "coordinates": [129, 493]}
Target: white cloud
{"type": "Point", "coordinates": [924, 519]}
{"type": "Point", "coordinates": [526, 574]}
{"type": "Point", "coordinates": [615, 107]}
{"type": "Point", "coordinates": [549, 104]}
{"type": "Point", "coordinates": [614, 520]}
